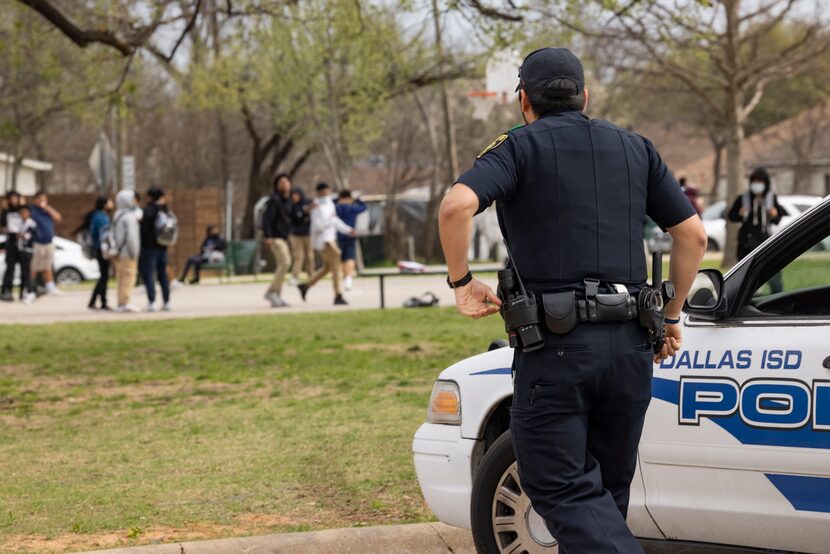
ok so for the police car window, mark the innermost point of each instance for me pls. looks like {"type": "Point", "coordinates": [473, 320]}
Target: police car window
{"type": "Point", "coordinates": [802, 287]}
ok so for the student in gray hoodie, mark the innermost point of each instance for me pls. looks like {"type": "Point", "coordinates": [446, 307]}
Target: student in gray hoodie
{"type": "Point", "coordinates": [127, 237]}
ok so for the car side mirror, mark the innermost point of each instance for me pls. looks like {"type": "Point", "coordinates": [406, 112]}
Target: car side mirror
{"type": "Point", "coordinates": [706, 300]}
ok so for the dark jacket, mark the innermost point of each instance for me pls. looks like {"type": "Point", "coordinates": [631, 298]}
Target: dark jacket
{"type": "Point", "coordinates": [212, 243]}
{"type": "Point", "coordinates": [756, 224]}
{"type": "Point", "coordinates": [45, 230]}
{"type": "Point", "coordinates": [276, 221]}
{"type": "Point", "coordinates": [148, 225]}
{"type": "Point", "coordinates": [348, 214]}
{"type": "Point", "coordinates": [300, 218]}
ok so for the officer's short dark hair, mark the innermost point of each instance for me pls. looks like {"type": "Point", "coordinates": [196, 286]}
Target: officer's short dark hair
{"type": "Point", "coordinates": [543, 104]}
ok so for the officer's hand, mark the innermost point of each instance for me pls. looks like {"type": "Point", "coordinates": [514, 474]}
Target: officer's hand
{"type": "Point", "coordinates": [267, 241]}
{"type": "Point", "coordinates": [672, 343]}
{"type": "Point", "coordinates": [773, 212]}
{"type": "Point", "coordinates": [476, 300]}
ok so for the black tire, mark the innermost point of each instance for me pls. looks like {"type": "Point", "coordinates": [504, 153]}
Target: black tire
{"type": "Point", "coordinates": [497, 471]}
{"type": "Point", "coordinates": [68, 276]}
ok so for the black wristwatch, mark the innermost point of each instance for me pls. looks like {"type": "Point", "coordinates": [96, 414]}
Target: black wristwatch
{"type": "Point", "coordinates": [461, 282]}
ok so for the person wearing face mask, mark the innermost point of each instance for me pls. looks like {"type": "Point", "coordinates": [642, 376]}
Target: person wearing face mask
{"type": "Point", "coordinates": [757, 210]}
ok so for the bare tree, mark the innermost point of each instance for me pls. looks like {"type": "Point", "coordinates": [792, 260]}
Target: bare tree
{"type": "Point", "coordinates": [725, 52]}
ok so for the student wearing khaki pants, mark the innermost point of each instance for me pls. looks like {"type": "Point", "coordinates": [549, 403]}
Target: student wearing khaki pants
{"type": "Point", "coordinates": [276, 226]}
{"type": "Point", "coordinates": [127, 239]}
{"type": "Point", "coordinates": [324, 227]}
{"type": "Point", "coordinates": [300, 238]}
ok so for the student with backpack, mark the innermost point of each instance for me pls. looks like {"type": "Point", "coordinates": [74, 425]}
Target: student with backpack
{"type": "Point", "coordinates": [159, 229]}
{"type": "Point", "coordinates": [121, 243]}
{"type": "Point", "coordinates": [25, 252]}
{"type": "Point", "coordinates": [96, 223]}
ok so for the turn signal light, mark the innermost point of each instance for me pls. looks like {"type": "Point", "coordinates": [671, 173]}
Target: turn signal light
{"type": "Point", "coordinates": [445, 404]}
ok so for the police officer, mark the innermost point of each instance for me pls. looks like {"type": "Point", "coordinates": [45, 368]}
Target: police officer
{"type": "Point", "coordinates": [573, 194]}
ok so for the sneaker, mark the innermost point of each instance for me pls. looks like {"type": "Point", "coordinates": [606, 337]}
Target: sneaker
{"type": "Point", "coordinates": [7, 297]}
{"type": "Point", "coordinates": [28, 298]}
{"type": "Point", "coordinates": [92, 307]}
{"type": "Point", "coordinates": [347, 283]}
{"type": "Point", "coordinates": [52, 290]}
{"type": "Point", "coordinates": [176, 284]}
{"type": "Point", "coordinates": [151, 307]}
{"type": "Point", "coordinates": [194, 282]}
{"type": "Point", "coordinates": [106, 308]}
{"type": "Point", "coordinates": [303, 290]}
{"type": "Point", "coordinates": [278, 302]}
{"type": "Point", "coordinates": [166, 307]}
{"type": "Point", "coordinates": [129, 308]}
{"type": "Point", "coordinates": [340, 301]}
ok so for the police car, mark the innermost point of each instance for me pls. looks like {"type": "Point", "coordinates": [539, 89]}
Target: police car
{"type": "Point", "coordinates": [736, 444]}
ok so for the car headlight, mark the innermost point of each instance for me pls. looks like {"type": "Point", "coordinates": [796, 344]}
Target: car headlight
{"type": "Point", "coordinates": [445, 403]}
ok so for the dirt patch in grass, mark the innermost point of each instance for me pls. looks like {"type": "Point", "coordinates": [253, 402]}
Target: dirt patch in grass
{"type": "Point", "coordinates": [394, 348]}
{"type": "Point", "coordinates": [244, 525]}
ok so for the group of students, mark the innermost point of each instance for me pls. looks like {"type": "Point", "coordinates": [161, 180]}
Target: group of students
{"type": "Point", "coordinates": [30, 232]}
{"type": "Point", "coordinates": [130, 240]}
{"type": "Point", "coordinates": [294, 228]}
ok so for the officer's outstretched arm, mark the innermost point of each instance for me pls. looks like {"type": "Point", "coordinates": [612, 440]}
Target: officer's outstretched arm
{"type": "Point", "coordinates": [688, 247]}
{"type": "Point", "coordinates": [455, 225]}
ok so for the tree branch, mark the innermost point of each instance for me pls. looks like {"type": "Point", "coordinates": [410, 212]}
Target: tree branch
{"type": "Point", "coordinates": [81, 37]}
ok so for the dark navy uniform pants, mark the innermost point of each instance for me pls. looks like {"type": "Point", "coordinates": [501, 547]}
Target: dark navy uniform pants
{"type": "Point", "coordinates": [577, 415]}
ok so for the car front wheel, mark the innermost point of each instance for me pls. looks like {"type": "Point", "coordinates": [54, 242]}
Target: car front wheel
{"type": "Point", "coordinates": [502, 517]}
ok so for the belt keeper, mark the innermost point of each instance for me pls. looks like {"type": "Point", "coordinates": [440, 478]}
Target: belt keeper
{"type": "Point", "coordinates": [591, 287]}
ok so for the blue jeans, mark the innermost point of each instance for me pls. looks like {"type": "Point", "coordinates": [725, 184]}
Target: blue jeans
{"type": "Point", "coordinates": [152, 263]}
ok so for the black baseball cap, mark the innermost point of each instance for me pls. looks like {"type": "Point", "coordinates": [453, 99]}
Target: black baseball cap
{"type": "Point", "coordinates": [542, 68]}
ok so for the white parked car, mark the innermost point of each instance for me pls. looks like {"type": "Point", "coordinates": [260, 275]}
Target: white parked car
{"type": "Point", "coordinates": [736, 445]}
{"type": "Point", "coordinates": [70, 265]}
{"type": "Point", "coordinates": [714, 220]}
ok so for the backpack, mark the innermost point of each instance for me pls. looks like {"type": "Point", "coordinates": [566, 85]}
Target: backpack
{"type": "Point", "coordinates": [167, 228]}
{"type": "Point", "coordinates": [109, 246]}
{"type": "Point", "coordinates": [84, 237]}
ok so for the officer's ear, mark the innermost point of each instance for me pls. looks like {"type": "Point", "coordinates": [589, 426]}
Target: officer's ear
{"type": "Point", "coordinates": [585, 106]}
{"type": "Point", "coordinates": [524, 102]}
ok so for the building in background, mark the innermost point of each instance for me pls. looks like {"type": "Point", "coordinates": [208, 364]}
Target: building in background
{"type": "Point", "coordinates": [795, 151]}
{"type": "Point", "coordinates": [27, 174]}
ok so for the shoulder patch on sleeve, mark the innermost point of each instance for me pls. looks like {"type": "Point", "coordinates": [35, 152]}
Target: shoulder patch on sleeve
{"type": "Point", "coordinates": [493, 145]}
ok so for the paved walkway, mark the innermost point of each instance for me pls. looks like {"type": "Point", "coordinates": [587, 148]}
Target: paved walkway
{"type": "Point", "coordinates": [421, 538]}
{"type": "Point", "coordinates": [207, 300]}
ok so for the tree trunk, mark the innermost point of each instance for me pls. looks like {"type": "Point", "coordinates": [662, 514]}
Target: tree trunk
{"type": "Point", "coordinates": [735, 131]}
{"type": "Point", "coordinates": [451, 151]}
{"type": "Point", "coordinates": [734, 187]}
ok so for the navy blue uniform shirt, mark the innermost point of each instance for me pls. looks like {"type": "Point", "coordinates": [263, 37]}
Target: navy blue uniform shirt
{"type": "Point", "coordinates": [573, 195]}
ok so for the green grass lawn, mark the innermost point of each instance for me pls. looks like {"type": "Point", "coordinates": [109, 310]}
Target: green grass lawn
{"type": "Point", "coordinates": [137, 432]}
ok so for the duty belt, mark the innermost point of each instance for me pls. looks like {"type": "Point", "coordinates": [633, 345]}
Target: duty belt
{"type": "Point", "coordinates": [563, 310]}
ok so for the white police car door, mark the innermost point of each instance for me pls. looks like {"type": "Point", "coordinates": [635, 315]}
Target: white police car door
{"type": "Point", "coordinates": [736, 448]}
